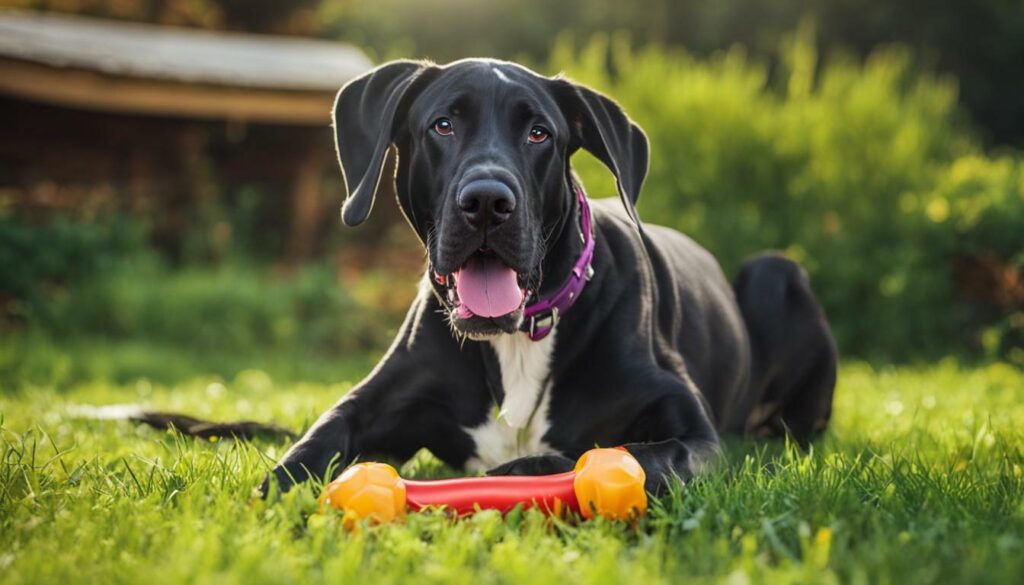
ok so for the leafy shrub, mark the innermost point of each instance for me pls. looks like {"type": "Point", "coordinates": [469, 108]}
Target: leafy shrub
{"type": "Point", "coordinates": [976, 217]}
{"type": "Point", "coordinates": [101, 278]}
{"type": "Point", "coordinates": [842, 164]}
{"type": "Point", "coordinates": [41, 260]}
{"type": "Point", "coordinates": [233, 309]}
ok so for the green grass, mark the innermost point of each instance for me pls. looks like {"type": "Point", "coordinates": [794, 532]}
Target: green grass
{"type": "Point", "coordinates": [918, 480]}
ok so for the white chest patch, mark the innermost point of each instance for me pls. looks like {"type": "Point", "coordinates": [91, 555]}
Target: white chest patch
{"type": "Point", "coordinates": [522, 421]}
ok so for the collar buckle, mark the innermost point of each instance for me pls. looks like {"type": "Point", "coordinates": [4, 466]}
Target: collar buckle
{"type": "Point", "coordinates": [546, 322]}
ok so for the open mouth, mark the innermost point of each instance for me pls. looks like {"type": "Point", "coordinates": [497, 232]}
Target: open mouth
{"type": "Point", "coordinates": [484, 286]}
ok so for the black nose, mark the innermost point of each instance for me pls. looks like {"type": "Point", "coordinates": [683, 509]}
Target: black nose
{"type": "Point", "coordinates": [486, 202]}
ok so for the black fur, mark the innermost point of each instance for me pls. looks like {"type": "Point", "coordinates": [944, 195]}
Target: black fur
{"type": "Point", "coordinates": [204, 429]}
{"type": "Point", "coordinates": [659, 353]}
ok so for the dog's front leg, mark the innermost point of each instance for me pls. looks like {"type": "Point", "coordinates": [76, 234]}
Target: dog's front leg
{"type": "Point", "coordinates": [663, 460]}
{"type": "Point", "coordinates": [405, 405]}
{"type": "Point", "coordinates": [390, 416]}
{"type": "Point", "coordinates": [328, 442]}
{"type": "Point", "coordinates": [680, 439]}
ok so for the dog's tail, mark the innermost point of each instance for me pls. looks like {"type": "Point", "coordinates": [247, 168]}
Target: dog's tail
{"type": "Point", "coordinates": [191, 426]}
{"type": "Point", "coordinates": [794, 354]}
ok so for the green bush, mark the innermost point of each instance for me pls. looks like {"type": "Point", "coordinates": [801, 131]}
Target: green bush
{"type": "Point", "coordinates": [41, 260]}
{"type": "Point", "coordinates": [101, 277]}
{"type": "Point", "coordinates": [837, 163]}
{"type": "Point", "coordinates": [976, 216]}
{"type": "Point", "coordinates": [230, 309]}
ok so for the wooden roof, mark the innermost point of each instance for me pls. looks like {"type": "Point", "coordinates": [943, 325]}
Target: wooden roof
{"type": "Point", "coordinates": [117, 66]}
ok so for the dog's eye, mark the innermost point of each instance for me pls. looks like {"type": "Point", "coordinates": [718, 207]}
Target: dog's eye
{"type": "Point", "coordinates": [538, 134]}
{"type": "Point", "coordinates": [443, 126]}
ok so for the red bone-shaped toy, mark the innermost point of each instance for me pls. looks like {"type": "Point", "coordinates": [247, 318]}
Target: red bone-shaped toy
{"type": "Point", "coordinates": [605, 482]}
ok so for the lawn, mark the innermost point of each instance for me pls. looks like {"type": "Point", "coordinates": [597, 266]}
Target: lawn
{"type": "Point", "coordinates": [919, 480]}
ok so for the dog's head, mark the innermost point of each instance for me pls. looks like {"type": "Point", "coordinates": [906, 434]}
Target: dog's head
{"type": "Point", "coordinates": [477, 153]}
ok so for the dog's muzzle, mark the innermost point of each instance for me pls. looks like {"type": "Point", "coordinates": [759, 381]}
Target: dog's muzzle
{"type": "Point", "coordinates": [486, 289]}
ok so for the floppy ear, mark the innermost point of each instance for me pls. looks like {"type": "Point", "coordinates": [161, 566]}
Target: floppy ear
{"type": "Point", "coordinates": [601, 127]}
{"type": "Point", "coordinates": [367, 113]}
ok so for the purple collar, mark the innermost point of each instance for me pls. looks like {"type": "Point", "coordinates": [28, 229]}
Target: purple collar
{"type": "Point", "coordinates": [542, 316]}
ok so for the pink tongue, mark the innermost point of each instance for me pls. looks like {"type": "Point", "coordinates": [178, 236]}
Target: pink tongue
{"type": "Point", "coordinates": [487, 287]}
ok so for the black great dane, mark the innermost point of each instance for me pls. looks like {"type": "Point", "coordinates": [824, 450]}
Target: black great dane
{"type": "Point", "coordinates": [547, 324]}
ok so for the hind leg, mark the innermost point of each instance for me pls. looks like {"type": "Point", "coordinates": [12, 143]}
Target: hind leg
{"type": "Point", "coordinates": [794, 355]}
{"type": "Point", "coordinates": [799, 406]}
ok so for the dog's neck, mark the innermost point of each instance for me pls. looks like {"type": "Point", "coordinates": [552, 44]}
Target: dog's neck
{"type": "Point", "coordinates": [563, 250]}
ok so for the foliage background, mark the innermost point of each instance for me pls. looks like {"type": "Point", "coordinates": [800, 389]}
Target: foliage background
{"type": "Point", "coordinates": [875, 142]}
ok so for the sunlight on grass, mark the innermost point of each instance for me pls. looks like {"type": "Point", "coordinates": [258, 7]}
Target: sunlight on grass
{"type": "Point", "coordinates": [919, 480]}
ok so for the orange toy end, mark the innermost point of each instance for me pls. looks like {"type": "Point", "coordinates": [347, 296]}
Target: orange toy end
{"type": "Point", "coordinates": [610, 483]}
{"type": "Point", "coordinates": [367, 490]}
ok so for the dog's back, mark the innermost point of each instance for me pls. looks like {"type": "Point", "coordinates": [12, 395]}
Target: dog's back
{"type": "Point", "coordinates": [695, 309]}
{"type": "Point", "coordinates": [760, 351]}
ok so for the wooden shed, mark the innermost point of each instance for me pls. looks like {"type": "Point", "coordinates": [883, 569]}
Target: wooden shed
{"type": "Point", "coordinates": [166, 118]}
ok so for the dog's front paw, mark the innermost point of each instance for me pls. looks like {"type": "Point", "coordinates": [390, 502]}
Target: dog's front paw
{"type": "Point", "coordinates": [284, 478]}
{"type": "Point", "coordinates": [534, 465]}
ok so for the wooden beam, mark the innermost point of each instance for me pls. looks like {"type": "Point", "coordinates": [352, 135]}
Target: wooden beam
{"type": "Point", "coordinates": [88, 90]}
